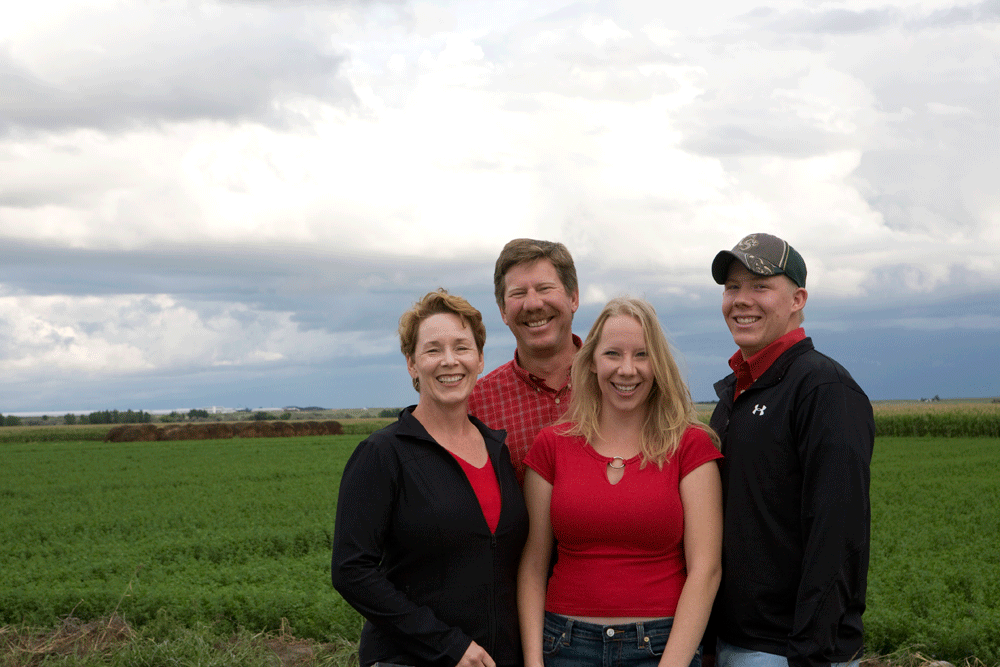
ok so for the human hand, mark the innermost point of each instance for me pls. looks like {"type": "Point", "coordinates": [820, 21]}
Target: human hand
{"type": "Point", "coordinates": [476, 656]}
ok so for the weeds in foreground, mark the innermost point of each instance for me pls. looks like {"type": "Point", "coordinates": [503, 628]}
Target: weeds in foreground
{"type": "Point", "coordinates": [112, 642]}
{"type": "Point", "coordinates": [912, 657]}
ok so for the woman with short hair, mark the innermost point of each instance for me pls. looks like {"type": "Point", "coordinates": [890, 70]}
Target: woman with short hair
{"type": "Point", "coordinates": [430, 518]}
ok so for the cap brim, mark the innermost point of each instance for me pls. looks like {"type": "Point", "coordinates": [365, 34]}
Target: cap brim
{"type": "Point", "coordinates": [720, 266]}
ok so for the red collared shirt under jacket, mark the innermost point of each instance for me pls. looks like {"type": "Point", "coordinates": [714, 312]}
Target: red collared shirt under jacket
{"type": "Point", "coordinates": [748, 370]}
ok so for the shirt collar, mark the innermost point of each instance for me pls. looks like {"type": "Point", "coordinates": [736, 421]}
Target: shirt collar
{"type": "Point", "coordinates": [536, 381]}
{"type": "Point", "coordinates": [760, 362]}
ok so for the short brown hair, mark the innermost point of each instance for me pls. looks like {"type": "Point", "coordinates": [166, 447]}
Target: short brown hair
{"type": "Point", "coordinates": [434, 303]}
{"type": "Point", "coordinates": [523, 251]}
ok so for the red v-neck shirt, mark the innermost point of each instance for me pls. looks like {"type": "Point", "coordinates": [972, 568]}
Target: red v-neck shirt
{"type": "Point", "coordinates": [484, 483]}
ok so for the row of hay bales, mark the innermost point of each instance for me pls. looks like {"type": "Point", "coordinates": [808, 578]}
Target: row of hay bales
{"type": "Point", "coordinates": [221, 431]}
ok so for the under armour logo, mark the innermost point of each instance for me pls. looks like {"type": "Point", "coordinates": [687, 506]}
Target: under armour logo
{"type": "Point", "coordinates": [759, 409]}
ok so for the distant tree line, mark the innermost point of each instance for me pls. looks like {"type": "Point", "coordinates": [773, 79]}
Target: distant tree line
{"type": "Point", "coordinates": [117, 417]}
{"type": "Point", "coordinates": [10, 420]}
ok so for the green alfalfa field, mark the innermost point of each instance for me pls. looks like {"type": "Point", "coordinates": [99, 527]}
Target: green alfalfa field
{"type": "Point", "coordinates": [217, 551]}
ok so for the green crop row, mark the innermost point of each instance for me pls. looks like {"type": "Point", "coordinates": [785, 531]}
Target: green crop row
{"type": "Point", "coordinates": [914, 419]}
{"type": "Point", "coordinates": [939, 424]}
{"type": "Point", "coordinates": [934, 582]}
{"type": "Point", "coordinates": [236, 534]}
{"type": "Point", "coordinates": [85, 433]}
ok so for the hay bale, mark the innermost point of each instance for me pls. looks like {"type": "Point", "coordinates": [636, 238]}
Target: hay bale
{"type": "Point", "coordinates": [114, 434]}
{"type": "Point", "coordinates": [283, 429]}
{"type": "Point", "coordinates": [241, 429]}
{"type": "Point", "coordinates": [316, 428]}
{"type": "Point", "coordinates": [132, 433]}
{"type": "Point", "coordinates": [183, 432]}
{"type": "Point", "coordinates": [217, 431]}
{"type": "Point", "coordinates": [256, 430]}
{"type": "Point", "coordinates": [170, 433]}
{"type": "Point", "coordinates": [221, 431]}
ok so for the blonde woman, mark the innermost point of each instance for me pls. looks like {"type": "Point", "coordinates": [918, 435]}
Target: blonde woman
{"type": "Point", "coordinates": [629, 489]}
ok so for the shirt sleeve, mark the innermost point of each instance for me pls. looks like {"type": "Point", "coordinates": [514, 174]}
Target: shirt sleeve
{"type": "Point", "coordinates": [364, 518]}
{"type": "Point", "coordinates": [541, 456]}
{"type": "Point", "coordinates": [695, 450]}
{"type": "Point", "coordinates": [836, 434]}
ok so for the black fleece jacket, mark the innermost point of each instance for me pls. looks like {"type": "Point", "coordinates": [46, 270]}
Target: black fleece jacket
{"type": "Point", "coordinates": [413, 554]}
{"type": "Point", "coordinates": [797, 445]}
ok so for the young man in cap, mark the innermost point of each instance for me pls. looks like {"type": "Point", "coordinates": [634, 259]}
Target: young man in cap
{"type": "Point", "coordinates": [797, 434]}
{"type": "Point", "coordinates": [536, 289]}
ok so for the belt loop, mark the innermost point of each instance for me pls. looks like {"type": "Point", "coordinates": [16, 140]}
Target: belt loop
{"type": "Point", "coordinates": [640, 635]}
{"type": "Point", "coordinates": [567, 632]}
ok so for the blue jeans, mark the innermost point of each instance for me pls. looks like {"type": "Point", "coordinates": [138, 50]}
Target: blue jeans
{"type": "Point", "coordinates": [570, 643]}
{"type": "Point", "coordinates": [727, 655]}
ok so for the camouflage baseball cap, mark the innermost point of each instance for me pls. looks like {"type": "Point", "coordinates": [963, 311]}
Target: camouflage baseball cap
{"type": "Point", "coordinates": [764, 255]}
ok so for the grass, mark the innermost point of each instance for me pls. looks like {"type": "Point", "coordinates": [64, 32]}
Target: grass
{"type": "Point", "coordinates": [217, 552]}
{"type": "Point", "coordinates": [62, 433]}
{"type": "Point", "coordinates": [235, 533]}
{"type": "Point", "coordinates": [934, 583]}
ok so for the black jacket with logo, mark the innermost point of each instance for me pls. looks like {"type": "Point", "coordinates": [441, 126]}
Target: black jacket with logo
{"type": "Point", "coordinates": [413, 554]}
{"type": "Point", "coordinates": [797, 444]}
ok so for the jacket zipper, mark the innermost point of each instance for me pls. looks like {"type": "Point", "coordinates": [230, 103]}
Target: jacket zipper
{"type": "Point", "coordinates": [494, 612]}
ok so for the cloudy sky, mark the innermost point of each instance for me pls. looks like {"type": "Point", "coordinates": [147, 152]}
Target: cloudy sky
{"type": "Point", "coordinates": [231, 203]}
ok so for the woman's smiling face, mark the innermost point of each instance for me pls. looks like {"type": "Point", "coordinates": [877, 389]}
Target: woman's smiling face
{"type": "Point", "coordinates": [622, 365]}
{"type": "Point", "coordinates": [445, 359]}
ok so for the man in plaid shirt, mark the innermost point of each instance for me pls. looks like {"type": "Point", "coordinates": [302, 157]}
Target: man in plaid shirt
{"type": "Point", "coordinates": [537, 292]}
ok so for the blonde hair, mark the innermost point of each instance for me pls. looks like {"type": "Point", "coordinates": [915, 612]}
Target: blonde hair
{"type": "Point", "coordinates": [670, 409]}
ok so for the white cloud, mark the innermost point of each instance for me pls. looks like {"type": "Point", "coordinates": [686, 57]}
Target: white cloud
{"type": "Point", "coordinates": [601, 32]}
{"type": "Point", "coordinates": [646, 138]}
{"type": "Point", "coordinates": [116, 65]}
{"type": "Point", "coordinates": [453, 170]}
{"type": "Point", "coordinates": [947, 110]}
{"type": "Point", "coordinates": [130, 334]}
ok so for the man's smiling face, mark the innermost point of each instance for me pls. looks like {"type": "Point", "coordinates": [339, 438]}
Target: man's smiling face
{"type": "Point", "coordinates": [537, 308]}
{"type": "Point", "coordinates": [760, 309]}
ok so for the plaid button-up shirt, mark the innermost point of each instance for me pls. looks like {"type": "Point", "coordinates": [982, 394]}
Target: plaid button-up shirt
{"type": "Point", "coordinates": [513, 399]}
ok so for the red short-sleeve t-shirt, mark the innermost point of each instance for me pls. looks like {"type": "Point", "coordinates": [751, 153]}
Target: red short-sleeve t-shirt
{"type": "Point", "coordinates": [620, 545]}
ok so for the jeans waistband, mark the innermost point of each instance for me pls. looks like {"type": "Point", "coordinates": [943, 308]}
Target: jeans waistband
{"type": "Point", "coordinates": [637, 632]}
